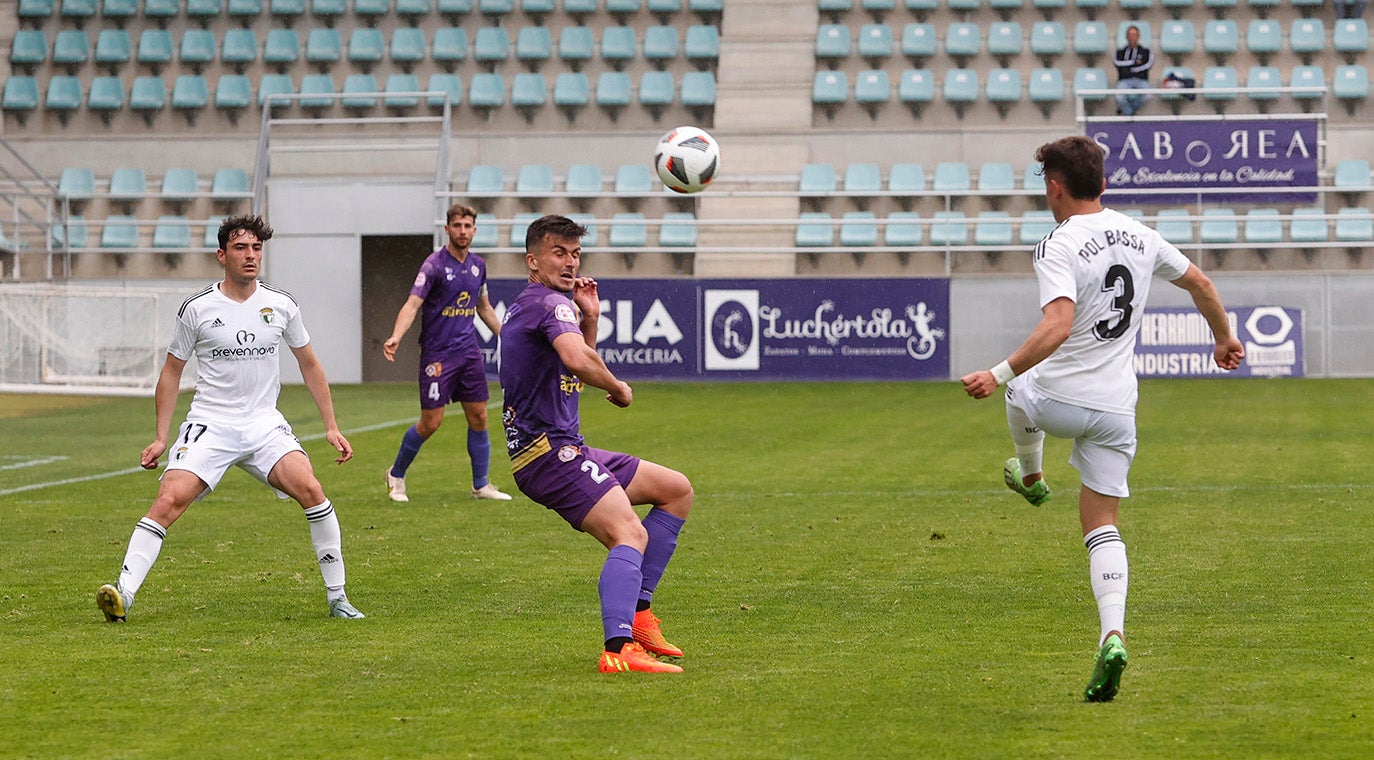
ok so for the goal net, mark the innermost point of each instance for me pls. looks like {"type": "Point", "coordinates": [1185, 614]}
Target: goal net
{"type": "Point", "coordinates": [84, 339]}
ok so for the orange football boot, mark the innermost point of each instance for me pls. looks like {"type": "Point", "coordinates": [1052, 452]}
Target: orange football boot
{"type": "Point", "coordinates": [633, 658]}
{"type": "Point", "coordinates": [649, 634]}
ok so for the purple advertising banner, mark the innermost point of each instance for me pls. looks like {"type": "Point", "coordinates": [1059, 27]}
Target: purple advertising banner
{"type": "Point", "coordinates": [799, 329]}
{"type": "Point", "coordinates": [1230, 157]}
{"type": "Point", "coordinates": [1178, 343]}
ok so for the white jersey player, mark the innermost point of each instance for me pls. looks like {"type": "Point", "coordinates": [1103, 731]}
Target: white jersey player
{"type": "Point", "coordinates": [1073, 377]}
{"type": "Point", "coordinates": [236, 330]}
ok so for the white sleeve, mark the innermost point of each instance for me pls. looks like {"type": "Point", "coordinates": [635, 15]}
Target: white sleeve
{"type": "Point", "coordinates": [1054, 272]}
{"type": "Point", "coordinates": [183, 344]}
{"type": "Point", "coordinates": [1170, 263]}
{"type": "Point", "coordinates": [295, 333]}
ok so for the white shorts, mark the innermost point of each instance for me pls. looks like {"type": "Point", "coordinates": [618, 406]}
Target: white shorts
{"type": "Point", "coordinates": [1103, 442]}
{"type": "Point", "coordinates": [208, 449]}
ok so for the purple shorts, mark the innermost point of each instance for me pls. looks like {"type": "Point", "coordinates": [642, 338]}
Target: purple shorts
{"type": "Point", "coordinates": [572, 479]}
{"type": "Point", "coordinates": [451, 379]}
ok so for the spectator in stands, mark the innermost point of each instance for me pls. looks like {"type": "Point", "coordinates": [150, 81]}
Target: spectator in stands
{"type": "Point", "coordinates": [1133, 63]}
{"type": "Point", "coordinates": [1349, 8]}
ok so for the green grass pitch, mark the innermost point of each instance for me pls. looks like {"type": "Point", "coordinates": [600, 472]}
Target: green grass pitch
{"type": "Point", "coordinates": [854, 581]}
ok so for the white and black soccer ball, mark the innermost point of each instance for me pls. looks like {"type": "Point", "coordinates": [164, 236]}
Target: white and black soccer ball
{"type": "Point", "coordinates": [687, 159]}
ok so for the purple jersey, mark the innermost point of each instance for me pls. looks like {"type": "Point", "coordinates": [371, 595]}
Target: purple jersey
{"type": "Point", "coordinates": [450, 289]}
{"type": "Point", "coordinates": [540, 393]}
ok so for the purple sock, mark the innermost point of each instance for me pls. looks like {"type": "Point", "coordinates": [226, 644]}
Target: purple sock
{"type": "Point", "coordinates": [619, 581]}
{"type": "Point", "coordinates": [479, 453]}
{"type": "Point", "coordinates": [410, 446]}
{"type": "Point", "coordinates": [663, 527]}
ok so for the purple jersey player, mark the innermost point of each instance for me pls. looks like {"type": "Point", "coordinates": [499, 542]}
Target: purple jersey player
{"type": "Point", "coordinates": [548, 352]}
{"type": "Point", "coordinates": [449, 290]}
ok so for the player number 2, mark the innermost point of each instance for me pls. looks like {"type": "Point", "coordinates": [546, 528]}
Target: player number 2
{"type": "Point", "coordinates": [434, 391]}
{"type": "Point", "coordinates": [591, 468]}
{"type": "Point", "coordinates": [1118, 281]}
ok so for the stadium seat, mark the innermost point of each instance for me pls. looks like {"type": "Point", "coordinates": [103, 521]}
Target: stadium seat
{"type": "Point", "coordinates": [78, 9]}
{"type": "Point", "coordinates": [365, 48]}
{"type": "Point", "coordinates": [1354, 225]}
{"type": "Point", "coordinates": [948, 228]}
{"type": "Point", "coordinates": [1090, 79]}
{"type": "Point", "coordinates": [862, 178]}
{"type": "Point", "coordinates": [1350, 84]}
{"type": "Point", "coordinates": [534, 179]}
{"type": "Point", "coordinates": [872, 88]}
{"type": "Point", "coordinates": [1263, 76]}
{"type": "Point", "coordinates": [113, 49]}
{"type": "Point", "coordinates": [449, 84]}
{"type": "Point", "coordinates": [660, 45]}
{"type": "Point", "coordinates": [832, 42]}
{"type": "Point", "coordinates": [1178, 231]}
{"type": "Point", "coordinates": [1049, 7]}
{"type": "Point", "coordinates": [1134, 7]}
{"type": "Point", "coordinates": [906, 178]}
{"type": "Point", "coordinates": [1306, 37]}
{"type": "Point", "coordinates": [1308, 4]}
{"type": "Point", "coordinates": [663, 9]}
{"type": "Point", "coordinates": [450, 45]}
{"type": "Point", "coordinates": [590, 239]}
{"type": "Point", "coordinates": [229, 186]}
{"type": "Point", "coordinates": [407, 47]}
{"type": "Point", "coordinates": [233, 93]}
{"type": "Point", "coordinates": [657, 90]}
{"type": "Point", "coordinates": [951, 176]}
{"type": "Point", "coordinates": [834, 8]}
{"type": "Point", "coordinates": [1262, 7]}
{"type": "Point", "coordinates": [698, 89]}
{"type": "Point", "coordinates": [963, 40]}
{"type": "Point", "coordinates": [363, 88]}
{"type": "Point", "coordinates": [281, 49]}
{"type": "Point", "coordinates": [1006, 7]}
{"type": "Point", "coordinates": [830, 88]}
{"type": "Point", "coordinates": [528, 92]}
{"type": "Point", "coordinates": [245, 10]}
{"type": "Point", "coordinates": [918, 41]}
{"type": "Point", "coordinates": [323, 47]}
{"type": "Point", "coordinates": [179, 186]}
{"type": "Point", "coordinates": [1033, 178]}
{"type": "Point", "coordinates": [961, 86]}
{"type": "Point", "coordinates": [613, 90]}
{"type": "Point", "coordinates": [413, 10]}
{"type": "Point", "coordinates": [875, 42]}
{"type": "Point", "coordinates": [628, 230]}
{"type": "Point", "coordinates": [584, 178]}
{"type": "Point", "coordinates": [967, 6]}
{"type": "Point", "coordinates": [858, 229]}
{"type": "Point", "coordinates": [1046, 86]}
{"type": "Point", "coordinates": [916, 87]}
{"type": "Point", "coordinates": [203, 11]}
{"type": "Point", "coordinates": [71, 49]}
{"type": "Point", "coordinates": [119, 231]}
{"type": "Point", "coordinates": [172, 231]}
{"type": "Point", "coordinates": [29, 49]}
{"type": "Point", "coordinates": [1177, 38]}
{"type": "Point", "coordinates": [190, 95]}
{"type": "Point", "coordinates": [399, 83]}
{"type": "Point", "coordinates": [815, 230]}
{"type": "Point", "coordinates": [484, 179]}
{"type": "Point", "coordinates": [1351, 174]}
{"type": "Point", "coordinates": [1221, 38]}
{"type": "Point", "coordinates": [1313, 77]}
{"type": "Point", "coordinates": [903, 229]}
{"type": "Point", "coordinates": [533, 46]}
{"type": "Point", "coordinates": [275, 84]}
{"type": "Point", "coordinates": [239, 48]}
{"type": "Point", "coordinates": [319, 86]}
{"type": "Point", "coordinates": [197, 49]}
{"type": "Point", "coordinates": [634, 179]}
{"type": "Point", "coordinates": [572, 91]}
{"type": "Point", "coordinates": [1004, 87]}
{"type": "Point", "coordinates": [537, 9]}
{"type": "Point", "coordinates": [622, 8]}
{"type": "Point", "coordinates": [1219, 7]}
{"type": "Point", "coordinates": [996, 178]}
{"type": "Point", "coordinates": [128, 185]}
{"type": "Point", "coordinates": [993, 229]}
{"type": "Point", "coordinates": [287, 10]}
{"type": "Point", "coordinates": [1263, 38]}
{"type": "Point", "coordinates": [75, 234]}
{"type": "Point", "coordinates": [818, 179]}
{"type": "Point", "coordinates": [1262, 226]}
{"type": "Point", "coordinates": [1146, 36]}
{"type": "Point", "coordinates": [1035, 225]}
{"type": "Point", "coordinates": [1090, 39]}
{"type": "Point", "coordinates": [373, 9]}
{"type": "Point", "coordinates": [1216, 81]}
{"type": "Point", "coordinates": [1048, 40]}
{"type": "Point", "coordinates": [64, 94]}
{"type": "Point", "coordinates": [701, 45]}
{"type": "Point", "coordinates": [1350, 37]}
{"type": "Point", "coordinates": [678, 235]}
{"type": "Point", "coordinates": [486, 91]}
{"type": "Point", "coordinates": [1218, 227]}
{"type": "Point", "coordinates": [576, 45]}
{"type": "Point", "coordinates": [37, 11]}
{"type": "Point", "coordinates": [106, 96]}
{"type": "Point", "coordinates": [453, 10]}
{"type": "Point", "coordinates": [1308, 226]}
{"type": "Point", "coordinates": [76, 184]}
{"type": "Point", "coordinates": [1005, 40]}
{"type": "Point", "coordinates": [618, 45]}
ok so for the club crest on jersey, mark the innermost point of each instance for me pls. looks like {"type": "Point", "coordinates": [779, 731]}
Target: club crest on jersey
{"type": "Point", "coordinates": [448, 273]}
{"type": "Point", "coordinates": [567, 453]}
{"type": "Point", "coordinates": [266, 314]}
{"type": "Point", "coordinates": [419, 279]}
{"type": "Point", "coordinates": [434, 370]}
{"type": "Point", "coordinates": [564, 313]}
{"type": "Point", "coordinates": [473, 270]}
{"type": "Point", "coordinates": [181, 453]}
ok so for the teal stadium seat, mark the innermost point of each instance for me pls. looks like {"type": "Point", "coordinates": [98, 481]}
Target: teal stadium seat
{"type": "Point", "coordinates": [818, 179]}
{"type": "Point", "coordinates": [179, 186]}
{"type": "Point", "coordinates": [229, 186]}
{"type": "Point", "coordinates": [993, 229]}
{"type": "Point", "coordinates": [128, 185]}
{"type": "Point", "coordinates": [486, 91]}
{"type": "Point", "coordinates": [1090, 39]}
{"type": "Point", "coordinates": [916, 87]}
{"type": "Point", "coordinates": [1221, 38]}
{"type": "Point", "coordinates": [618, 45]}
{"type": "Point", "coordinates": [1219, 227]}
{"type": "Point", "coordinates": [622, 8]}
{"type": "Point", "coordinates": [832, 43]}
{"type": "Point", "coordinates": [834, 8]}
{"type": "Point", "coordinates": [275, 84]}
{"type": "Point", "coordinates": [1046, 86]}
{"type": "Point", "coordinates": [537, 9]}
{"type": "Point", "coordinates": [968, 6]}
{"type": "Point", "coordinates": [996, 178]}
{"type": "Point", "coordinates": [487, 234]}
{"type": "Point", "coordinates": [1263, 76]}
{"type": "Point", "coordinates": [634, 179]}
{"type": "Point", "coordinates": [64, 94]}
{"type": "Point", "coordinates": [1033, 178]}
{"type": "Point", "coordinates": [407, 47]}
{"type": "Point", "coordinates": [106, 96]}
{"type": "Point", "coordinates": [1134, 7]}
{"type": "Point", "coordinates": [1313, 78]}
{"type": "Point", "coordinates": [1177, 38]}
{"type": "Point", "coordinates": [906, 178]}
{"type": "Point", "coordinates": [1174, 229]}
{"type": "Point", "coordinates": [1219, 7]}
{"type": "Point", "coordinates": [239, 49]}
{"type": "Point", "coordinates": [119, 231]}
{"type": "Point", "coordinates": [365, 48]}
{"type": "Point", "coordinates": [963, 40]}
{"type": "Point", "coordinates": [1308, 226]}
{"type": "Point", "coordinates": [198, 48]}
{"type": "Point", "coordinates": [412, 10]}
{"type": "Point", "coordinates": [491, 45]}
{"type": "Point", "coordinates": [961, 86]}
{"type": "Point", "coordinates": [903, 229]}
{"type": "Point", "coordinates": [1263, 226]}
{"type": "Point", "coordinates": [1350, 84]}
{"type": "Point", "coordinates": [204, 11]}
{"type": "Point", "coordinates": [520, 227]}
{"type": "Point", "coordinates": [37, 11]}
{"type": "Point", "coordinates": [449, 84]}
{"type": "Point", "coordinates": [324, 47]}
{"type": "Point", "coordinates": [371, 9]}
{"type": "Point", "coordinates": [815, 230]}
{"type": "Point", "coordinates": [1005, 40]}
{"type": "Point", "coordinates": [1048, 40]}
{"type": "Point", "coordinates": [450, 45]}
{"type": "Point", "coordinates": [76, 184]}
{"type": "Point", "coordinates": [613, 90]}
{"type": "Point", "coordinates": [319, 86]}
{"type": "Point", "coordinates": [698, 90]}
{"type": "Point", "coordinates": [75, 234]}
{"type": "Point", "coordinates": [681, 235]}
{"type": "Point", "coordinates": [399, 83]}
{"type": "Point", "coordinates": [245, 10]}
{"type": "Point", "coordinates": [233, 92]}
{"type": "Point", "coordinates": [1216, 80]}
{"type": "Point", "coordinates": [572, 90]}
{"type": "Point", "coordinates": [701, 45]}
{"type": "Point", "coordinates": [1004, 86]}
{"type": "Point", "coordinates": [657, 90]}
{"type": "Point", "coordinates": [576, 45]}
{"type": "Point", "coordinates": [328, 11]}
{"type": "Point", "coordinates": [1262, 7]}
{"type": "Point", "coordinates": [863, 178]}
{"type": "Point", "coordinates": [364, 90]}
{"type": "Point", "coordinates": [660, 45]}
{"type": "Point", "coordinates": [172, 231]}
{"type": "Point", "coordinates": [1263, 38]}
{"type": "Point", "coordinates": [287, 10]}
{"type": "Point", "coordinates": [529, 91]}
{"type": "Point", "coordinates": [663, 9]}
{"type": "Point", "coordinates": [29, 50]}
{"type": "Point", "coordinates": [871, 88]}
{"type": "Point", "coordinates": [71, 49]}
{"type": "Point", "coordinates": [1049, 7]}
{"type": "Point", "coordinates": [858, 229]}
{"type": "Point", "coordinates": [949, 228]}
{"type": "Point", "coordinates": [1350, 37]}
{"type": "Point", "coordinates": [1316, 4]}
{"type": "Point", "coordinates": [453, 10]}
{"type": "Point", "coordinates": [579, 9]}
{"type": "Point", "coordinates": [628, 230]}
{"type": "Point", "coordinates": [282, 48]}
{"type": "Point", "coordinates": [1351, 174]}
{"type": "Point", "coordinates": [1307, 37]}
{"type": "Point", "coordinates": [1035, 225]}
{"type": "Point", "coordinates": [21, 96]}
{"type": "Point", "coordinates": [484, 179]}
{"type": "Point", "coordinates": [211, 239]}
{"type": "Point", "coordinates": [830, 88]}
{"type": "Point", "coordinates": [533, 46]}
{"type": "Point", "coordinates": [78, 9]}
{"type": "Point", "coordinates": [190, 95]}
{"type": "Point", "coordinates": [1006, 7]}
{"type": "Point", "coordinates": [875, 42]}
{"type": "Point", "coordinates": [584, 178]}
{"type": "Point", "coordinates": [951, 176]}
{"type": "Point", "coordinates": [919, 41]}
{"type": "Point", "coordinates": [113, 49]}
{"type": "Point", "coordinates": [1354, 225]}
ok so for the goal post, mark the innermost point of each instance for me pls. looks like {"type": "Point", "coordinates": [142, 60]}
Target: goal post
{"type": "Point", "coordinates": [85, 339]}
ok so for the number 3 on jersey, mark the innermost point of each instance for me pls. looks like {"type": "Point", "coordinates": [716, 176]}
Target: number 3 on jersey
{"type": "Point", "coordinates": [1118, 281]}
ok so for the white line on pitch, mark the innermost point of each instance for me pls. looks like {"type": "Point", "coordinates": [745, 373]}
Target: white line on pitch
{"type": "Point", "coordinates": [30, 462]}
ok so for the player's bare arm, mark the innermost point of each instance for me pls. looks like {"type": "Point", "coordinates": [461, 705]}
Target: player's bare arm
{"type": "Point", "coordinates": [404, 319]}
{"type": "Point", "coordinates": [487, 313]}
{"type": "Point", "coordinates": [164, 403]}
{"type": "Point", "coordinates": [1055, 321]}
{"type": "Point", "coordinates": [1228, 352]}
{"type": "Point", "coordinates": [312, 372]}
{"type": "Point", "coordinates": [584, 362]}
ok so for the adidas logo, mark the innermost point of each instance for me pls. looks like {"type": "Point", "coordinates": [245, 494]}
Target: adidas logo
{"type": "Point", "coordinates": [217, 323]}
{"type": "Point", "coordinates": [328, 559]}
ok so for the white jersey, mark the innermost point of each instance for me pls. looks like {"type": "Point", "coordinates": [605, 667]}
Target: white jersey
{"type": "Point", "coordinates": [1104, 263]}
{"type": "Point", "coordinates": [237, 350]}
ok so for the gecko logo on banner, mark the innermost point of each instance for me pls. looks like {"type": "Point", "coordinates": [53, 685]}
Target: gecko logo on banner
{"type": "Point", "coordinates": [732, 329]}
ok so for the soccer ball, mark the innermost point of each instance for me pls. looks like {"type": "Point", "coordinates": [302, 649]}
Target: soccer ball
{"type": "Point", "coordinates": [687, 159]}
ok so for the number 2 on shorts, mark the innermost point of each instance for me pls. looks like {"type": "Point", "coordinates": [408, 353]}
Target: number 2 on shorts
{"type": "Point", "coordinates": [590, 467]}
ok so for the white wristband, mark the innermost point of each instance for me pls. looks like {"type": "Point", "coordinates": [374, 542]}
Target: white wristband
{"type": "Point", "coordinates": [1002, 373]}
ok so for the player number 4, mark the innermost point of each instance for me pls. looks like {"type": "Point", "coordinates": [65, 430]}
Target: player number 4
{"type": "Point", "coordinates": [434, 391]}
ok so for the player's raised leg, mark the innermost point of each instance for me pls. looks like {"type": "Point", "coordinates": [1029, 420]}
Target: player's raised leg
{"type": "Point", "coordinates": [479, 452]}
{"type": "Point", "coordinates": [1023, 473]}
{"type": "Point", "coordinates": [294, 476]}
{"type": "Point", "coordinates": [613, 522]}
{"type": "Point", "coordinates": [175, 493]}
{"type": "Point", "coordinates": [671, 495]}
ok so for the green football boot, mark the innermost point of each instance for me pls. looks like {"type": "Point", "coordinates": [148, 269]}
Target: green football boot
{"type": "Point", "coordinates": [1106, 678]}
{"type": "Point", "coordinates": [1036, 493]}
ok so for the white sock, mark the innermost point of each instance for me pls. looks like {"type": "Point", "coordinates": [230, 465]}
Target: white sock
{"type": "Point", "coordinates": [1107, 567]}
{"type": "Point", "coordinates": [1029, 440]}
{"type": "Point", "coordinates": [328, 541]}
{"type": "Point", "coordinates": [144, 546]}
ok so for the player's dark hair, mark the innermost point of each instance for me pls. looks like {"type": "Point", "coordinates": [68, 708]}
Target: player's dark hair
{"type": "Point", "coordinates": [552, 225]}
{"type": "Point", "coordinates": [460, 210]}
{"type": "Point", "coordinates": [1076, 162]}
{"type": "Point", "coordinates": [249, 222]}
